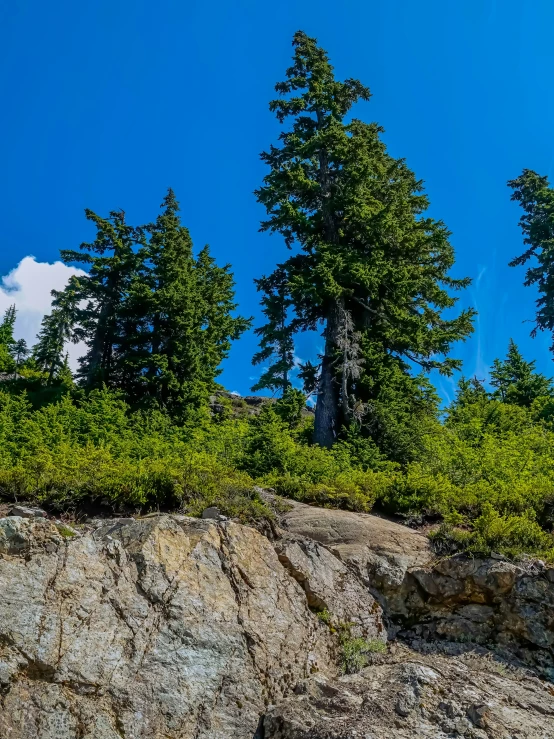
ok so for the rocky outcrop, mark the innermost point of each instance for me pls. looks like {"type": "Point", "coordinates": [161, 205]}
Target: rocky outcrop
{"type": "Point", "coordinates": [378, 551]}
{"type": "Point", "coordinates": [406, 695]}
{"type": "Point", "coordinates": [493, 602]}
{"type": "Point", "coordinates": [179, 628]}
{"type": "Point", "coordinates": [162, 627]}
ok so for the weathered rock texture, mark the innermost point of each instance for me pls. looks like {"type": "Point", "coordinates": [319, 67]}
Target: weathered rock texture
{"type": "Point", "coordinates": [164, 627]}
{"type": "Point", "coordinates": [484, 601]}
{"type": "Point", "coordinates": [378, 551]}
{"type": "Point", "coordinates": [179, 628]}
{"type": "Point", "coordinates": [408, 695]}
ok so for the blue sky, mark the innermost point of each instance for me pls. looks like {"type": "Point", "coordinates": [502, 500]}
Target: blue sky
{"type": "Point", "coordinates": [106, 104]}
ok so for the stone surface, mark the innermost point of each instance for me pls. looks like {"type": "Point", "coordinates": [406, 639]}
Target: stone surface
{"type": "Point", "coordinates": [164, 627]}
{"type": "Point", "coordinates": [25, 512]}
{"type": "Point", "coordinates": [331, 587]}
{"type": "Point", "coordinates": [380, 551]}
{"type": "Point", "coordinates": [406, 695]}
{"type": "Point", "coordinates": [179, 628]}
{"type": "Point", "coordinates": [211, 512]}
{"type": "Point", "coordinates": [485, 601]}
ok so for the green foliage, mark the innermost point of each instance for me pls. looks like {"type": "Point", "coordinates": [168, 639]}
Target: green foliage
{"type": "Point", "coordinates": [276, 456]}
{"type": "Point", "coordinates": [65, 531]}
{"type": "Point", "coordinates": [488, 470]}
{"type": "Point", "coordinates": [188, 304]}
{"type": "Point", "coordinates": [536, 198]}
{"type": "Point", "coordinates": [469, 392]}
{"type": "Point", "coordinates": [70, 453]}
{"type": "Point", "coordinates": [516, 381]}
{"type": "Point", "coordinates": [7, 341]}
{"type": "Point", "coordinates": [86, 448]}
{"type": "Point", "coordinates": [371, 267]}
{"type": "Point", "coordinates": [290, 406]}
{"type": "Point", "coordinates": [276, 336]}
{"type": "Point", "coordinates": [510, 535]}
{"type": "Point", "coordinates": [156, 319]}
{"type": "Point", "coordinates": [56, 330]}
{"type": "Point", "coordinates": [354, 651]}
{"type": "Point", "coordinates": [492, 465]}
{"type": "Point", "coordinates": [100, 298]}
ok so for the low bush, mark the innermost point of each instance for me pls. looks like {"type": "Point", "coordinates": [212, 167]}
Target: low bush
{"type": "Point", "coordinates": [487, 471]}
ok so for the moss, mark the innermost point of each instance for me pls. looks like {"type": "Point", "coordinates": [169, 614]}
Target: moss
{"type": "Point", "coordinates": [65, 531]}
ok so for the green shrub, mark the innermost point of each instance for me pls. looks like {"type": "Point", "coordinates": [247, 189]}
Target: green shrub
{"type": "Point", "coordinates": [488, 470]}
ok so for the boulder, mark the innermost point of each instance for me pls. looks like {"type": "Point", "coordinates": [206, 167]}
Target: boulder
{"type": "Point", "coordinates": [26, 512]}
{"type": "Point", "coordinates": [378, 551]}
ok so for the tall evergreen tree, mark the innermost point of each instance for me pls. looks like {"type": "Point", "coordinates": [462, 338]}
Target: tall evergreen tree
{"type": "Point", "coordinates": [190, 307]}
{"type": "Point", "coordinates": [112, 260]}
{"type": "Point", "coordinates": [516, 381]}
{"type": "Point", "coordinates": [20, 351]}
{"type": "Point", "coordinates": [57, 329]}
{"type": "Point", "coordinates": [173, 313]}
{"type": "Point", "coordinates": [469, 392]}
{"type": "Point", "coordinates": [216, 288]}
{"type": "Point", "coordinates": [276, 336]}
{"type": "Point", "coordinates": [7, 340]}
{"type": "Point", "coordinates": [536, 197]}
{"type": "Point", "coordinates": [366, 251]}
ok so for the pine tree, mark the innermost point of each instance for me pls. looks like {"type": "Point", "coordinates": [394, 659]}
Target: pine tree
{"type": "Point", "coordinates": [216, 288]}
{"type": "Point", "coordinates": [65, 375]}
{"type": "Point", "coordinates": [469, 392]}
{"type": "Point", "coordinates": [276, 336]}
{"type": "Point", "coordinates": [516, 381]}
{"type": "Point", "coordinates": [366, 250]}
{"type": "Point", "coordinates": [112, 260]}
{"type": "Point", "coordinates": [7, 340]}
{"type": "Point", "coordinates": [535, 195]}
{"type": "Point", "coordinates": [58, 328]}
{"type": "Point", "coordinates": [20, 352]}
{"type": "Point", "coordinates": [189, 314]}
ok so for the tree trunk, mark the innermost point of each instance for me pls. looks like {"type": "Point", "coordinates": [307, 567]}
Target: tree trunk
{"type": "Point", "coordinates": [97, 353]}
{"type": "Point", "coordinates": [327, 407]}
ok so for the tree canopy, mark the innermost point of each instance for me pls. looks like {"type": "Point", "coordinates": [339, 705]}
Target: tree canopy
{"type": "Point", "coordinates": [369, 267]}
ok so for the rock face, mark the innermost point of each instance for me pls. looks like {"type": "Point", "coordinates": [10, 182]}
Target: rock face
{"type": "Point", "coordinates": [164, 627]}
{"type": "Point", "coordinates": [488, 602]}
{"type": "Point", "coordinates": [378, 551]}
{"type": "Point", "coordinates": [408, 695]}
{"type": "Point", "coordinates": [171, 627]}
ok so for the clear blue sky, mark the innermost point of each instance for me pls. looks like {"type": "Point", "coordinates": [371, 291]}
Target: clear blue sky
{"type": "Point", "coordinates": [107, 103]}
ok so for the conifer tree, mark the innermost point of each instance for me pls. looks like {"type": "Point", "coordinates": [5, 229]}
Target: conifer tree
{"type": "Point", "coordinates": [20, 352]}
{"type": "Point", "coordinates": [7, 340]}
{"type": "Point", "coordinates": [536, 197]}
{"type": "Point", "coordinates": [173, 312]}
{"type": "Point", "coordinates": [189, 311]}
{"type": "Point", "coordinates": [516, 381]}
{"type": "Point", "coordinates": [365, 248]}
{"type": "Point", "coordinates": [57, 329]}
{"type": "Point", "coordinates": [469, 392]}
{"type": "Point", "coordinates": [219, 327]}
{"type": "Point", "coordinates": [276, 336]}
{"type": "Point", "coordinates": [65, 375]}
{"type": "Point", "coordinates": [112, 261]}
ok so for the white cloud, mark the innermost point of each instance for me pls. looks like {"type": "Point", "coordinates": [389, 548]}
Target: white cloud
{"type": "Point", "coordinates": [28, 287]}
